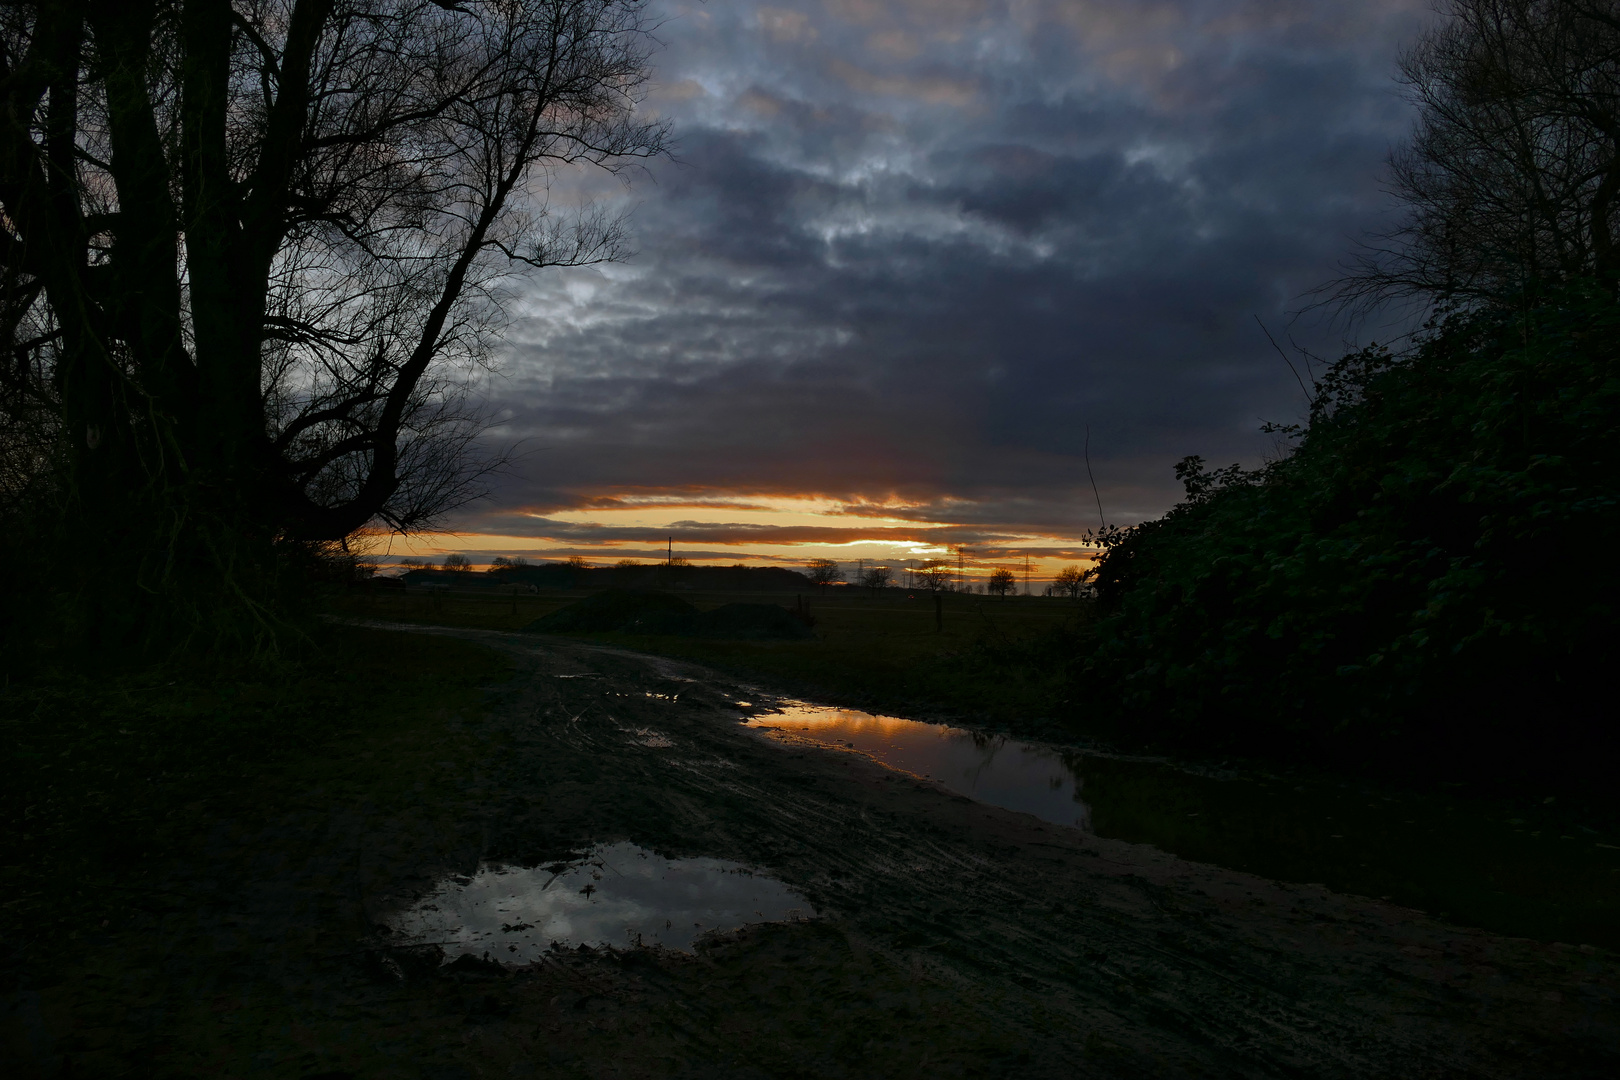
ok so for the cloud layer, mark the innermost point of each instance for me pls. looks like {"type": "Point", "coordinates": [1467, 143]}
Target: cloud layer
{"type": "Point", "coordinates": [911, 252]}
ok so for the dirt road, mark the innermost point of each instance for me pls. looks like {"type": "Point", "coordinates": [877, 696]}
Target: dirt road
{"type": "Point", "coordinates": [956, 939]}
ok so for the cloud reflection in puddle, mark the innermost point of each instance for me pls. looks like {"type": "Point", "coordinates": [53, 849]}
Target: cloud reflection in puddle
{"type": "Point", "coordinates": [617, 895]}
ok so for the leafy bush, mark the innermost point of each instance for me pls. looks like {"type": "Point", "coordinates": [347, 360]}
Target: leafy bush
{"type": "Point", "coordinates": [1423, 580]}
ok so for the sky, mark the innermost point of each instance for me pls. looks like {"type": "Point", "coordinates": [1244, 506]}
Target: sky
{"type": "Point", "coordinates": [913, 261]}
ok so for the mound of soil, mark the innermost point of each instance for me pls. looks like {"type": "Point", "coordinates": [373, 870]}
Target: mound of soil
{"type": "Point", "coordinates": [637, 612]}
{"type": "Point", "coordinates": [750, 622]}
{"type": "Point", "coordinates": [628, 610]}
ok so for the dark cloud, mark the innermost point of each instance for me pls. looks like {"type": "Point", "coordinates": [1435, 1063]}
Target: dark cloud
{"type": "Point", "coordinates": [916, 251]}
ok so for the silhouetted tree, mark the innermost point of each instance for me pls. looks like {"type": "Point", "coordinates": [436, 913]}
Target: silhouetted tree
{"type": "Point", "coordinates": [252, 248]}
{"type": "Point", "coordinates": [933, 576]}
{"type": "Point", "coordinates": [822, 572]}
{"type": "Point", "coordinates": [877, 577]}
{"type": "Point", "coordinates": [1511, 178]}
{"type": "Point", "coordinates": [1071, 579]}
{"type": "Point", "coordinates": [1001, 580]}
{"type": "Point", "coordinates": [457, 562]}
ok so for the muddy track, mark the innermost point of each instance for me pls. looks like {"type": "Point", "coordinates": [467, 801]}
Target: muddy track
{"type": "Point", "coordinates": [955, 938]}
{"type": "Point", "coordinates": [1157, 965]}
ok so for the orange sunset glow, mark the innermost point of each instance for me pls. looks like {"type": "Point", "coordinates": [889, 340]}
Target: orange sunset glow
{"type": "Point", "coordinates": [754, 530]}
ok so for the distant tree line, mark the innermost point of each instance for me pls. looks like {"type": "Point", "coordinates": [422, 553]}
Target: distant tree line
{"type": "Point", "coordinates": [929, 576]}
{"type": "Point", "coordinates": [575, 573]}
{"type": "Point", "coordinates": [935, 576]}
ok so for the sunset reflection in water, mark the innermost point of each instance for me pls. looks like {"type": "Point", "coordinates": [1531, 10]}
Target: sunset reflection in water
{"type": "Point", "coordinates": [990, 768]}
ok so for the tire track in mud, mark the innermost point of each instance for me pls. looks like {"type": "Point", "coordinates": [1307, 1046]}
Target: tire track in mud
{"type": "Point", "coordinates": [1113, 955]}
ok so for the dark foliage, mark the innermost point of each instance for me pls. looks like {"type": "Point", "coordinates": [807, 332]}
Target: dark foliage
{"type": "Point", "coordinates": [1420, 584]}
{"type": "Point", "coordinates": [72, 602]}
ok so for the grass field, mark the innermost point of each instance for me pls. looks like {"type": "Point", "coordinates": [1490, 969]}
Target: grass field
{"type": "Point", "coordinates": [109, 778]}
{"type": "Point", "coordinates": [997, 661]}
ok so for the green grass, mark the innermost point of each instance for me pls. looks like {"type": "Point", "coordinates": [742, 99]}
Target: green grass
{"type": "Point", "coordinates": [1526, 867]}
{"type": "Point", "coordinates": [110, 777]}
{"type": "Point", "coordinates": [995, 661]}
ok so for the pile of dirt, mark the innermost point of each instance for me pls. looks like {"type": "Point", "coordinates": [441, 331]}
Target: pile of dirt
{"type": "Point", "coordinates": [750, 622]}
{"type": "Point", "coordinates": [628, 610]}
{"type": "Point", "coordinates": [643, 612]}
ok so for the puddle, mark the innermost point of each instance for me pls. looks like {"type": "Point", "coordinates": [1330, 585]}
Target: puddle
{"type": "Point", "coordinates": [990, 768]}
{"type": "Point", "coordinates": [616, 895]}
{"type": "Point", "coordinates": [1515, 866]}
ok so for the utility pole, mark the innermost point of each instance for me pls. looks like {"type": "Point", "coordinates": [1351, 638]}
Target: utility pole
{"type": "Point", "coordinates": [1026, 573]}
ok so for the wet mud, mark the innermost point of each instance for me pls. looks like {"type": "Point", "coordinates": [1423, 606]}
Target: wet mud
{"type": "Point", "coordinates": [952, 937]}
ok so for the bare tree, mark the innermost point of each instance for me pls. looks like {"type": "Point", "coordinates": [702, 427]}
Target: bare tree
{"type": "Point", "coordinates": [1071, 579]}
{"type": "Point", "coordinates": [1511, 178]}
{"type": "Point", "coordinates": [877, 577]}
{"type": "Point", "coordinates": [1001, 581]}
{"type": "Point", "coordinates": [933, 576]}
{"type": "Point", "coordinates": [457, 562]}
{"type": "Point", "coordinates": [822, 572]}
{"type": "Point", "coordinates": [253, 249]}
